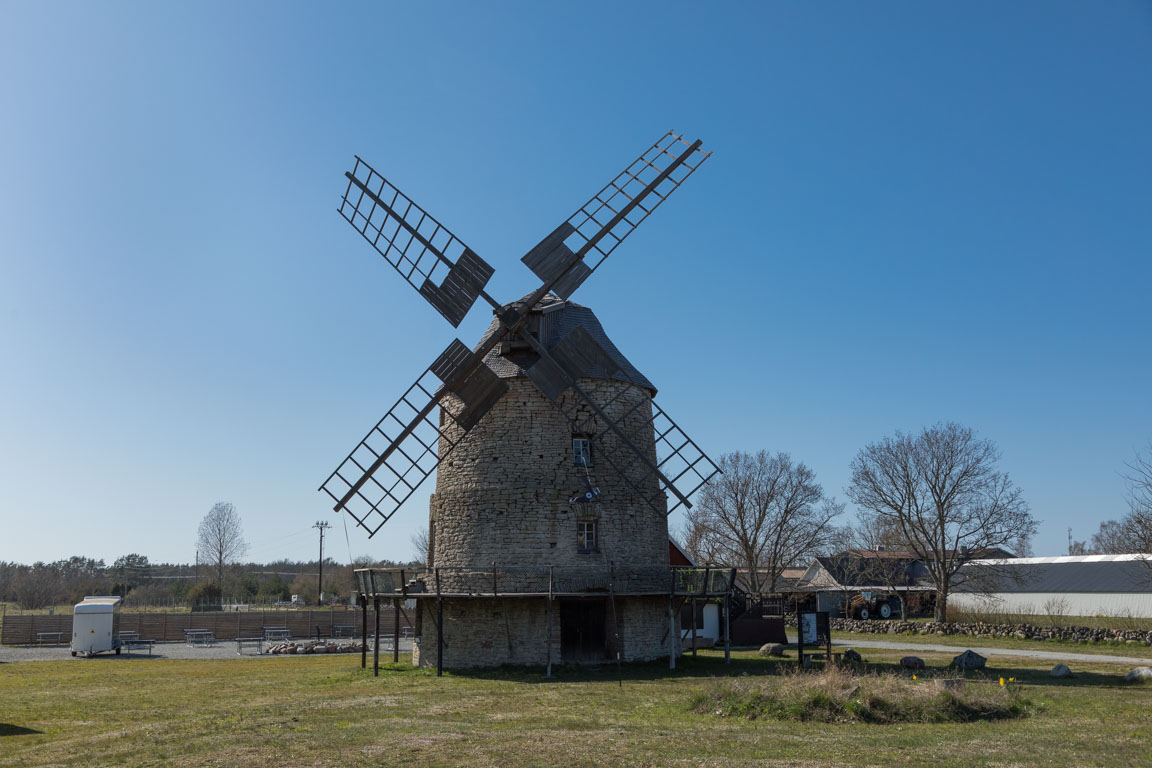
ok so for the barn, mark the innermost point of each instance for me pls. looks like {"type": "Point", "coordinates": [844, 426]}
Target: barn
{"type": "Point", "coordinates": [1087, 585]}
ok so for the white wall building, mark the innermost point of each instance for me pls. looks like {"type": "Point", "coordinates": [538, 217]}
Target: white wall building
{"type": "Point", "coordinates": [1088, 585]}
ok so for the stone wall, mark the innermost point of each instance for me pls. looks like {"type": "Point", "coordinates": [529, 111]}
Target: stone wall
{"type": "Point", "coordinates": [980, 629]}
{"type": "Point", "coordinates": [502, 494]}
{"type": "Point", "coordinates": [502, 500]}
{"type": "Point", "coordinates": [484, 632]}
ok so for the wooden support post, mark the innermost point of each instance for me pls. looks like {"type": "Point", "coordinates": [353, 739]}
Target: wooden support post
{"type": "Point", "coordinates": [376, 643]}
{"type": "Point", "coordinates": [548, 647]}
{"type": "Point", "coordinates": [363, 631]}
{"type": "Point", "coordinates": [693, 626]}
{"type": "Point", "coordinates": [439, 628]}
{"type": "Point", "coordinates": [615, 624]}
{"type": "Point", "coordinates": [673, 635]}
{"type": "Point", "coordinates": [728, 627]}
{"type": "Point", "coordinates": [395, 630]}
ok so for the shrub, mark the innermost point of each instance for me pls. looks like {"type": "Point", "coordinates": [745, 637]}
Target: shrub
{"type": "Point", "coordinates": [838, 695]}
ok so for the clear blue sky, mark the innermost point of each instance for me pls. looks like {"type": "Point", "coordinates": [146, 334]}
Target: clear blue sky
{"type": "Point", "coordinates": [915, 212]}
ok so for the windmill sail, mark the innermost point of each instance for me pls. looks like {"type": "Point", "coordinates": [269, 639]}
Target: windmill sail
{"type": "Point", "coordinates": [445, 271]}
{"type": "Point", "coordinates": [574, 250]}
{"type": "Point", "coordinates": [407, 444]}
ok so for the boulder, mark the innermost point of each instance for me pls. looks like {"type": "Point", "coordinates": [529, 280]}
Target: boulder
{"type": "Point", "coordinates": [912, 662]}
{"type": "Point", "coordinates": [772, 649]}
{"type": "Point", "coordinates": [969, 660]}
{"type": "Point", "coordinates": [853, 655]}
{"type": "Point", "coordinates": [1139, 674]}
{"type": "Point", "coordinates": [1060, 671]}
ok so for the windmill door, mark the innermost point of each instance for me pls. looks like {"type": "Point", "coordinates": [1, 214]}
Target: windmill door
{"type": "Point", "coordinates": [583, 632]}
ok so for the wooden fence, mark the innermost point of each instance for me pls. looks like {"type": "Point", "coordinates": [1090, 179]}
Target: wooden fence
{"type": "Point", "coordinates": [225, 625]}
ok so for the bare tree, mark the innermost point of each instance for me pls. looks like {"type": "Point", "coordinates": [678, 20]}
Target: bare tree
{"type": "Point", "coordinates": [220, 539]}
{"type": "Point", "coordinates": [942, 491]}
{"type": "Point", "coordinates": [1137, 525]}
{"type": "Point", "coordinates": [1111, 539]}
{"type": "Point", "coordinates": [764, 513]}
{"type": "Point", "coordinates": [882, 543]}
{"type": "Point", "coordinates": [420, 546]}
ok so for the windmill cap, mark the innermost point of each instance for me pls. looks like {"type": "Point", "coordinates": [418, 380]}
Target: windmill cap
{"type": "Point", "coordinates": [551, 320]}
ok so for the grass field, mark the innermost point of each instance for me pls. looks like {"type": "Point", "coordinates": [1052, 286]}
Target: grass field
{"type": "Point", "coordinates": [320, 711]}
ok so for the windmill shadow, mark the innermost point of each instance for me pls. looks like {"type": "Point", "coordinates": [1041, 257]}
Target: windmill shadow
{"type": "Point", "coordinates": [7, 729]}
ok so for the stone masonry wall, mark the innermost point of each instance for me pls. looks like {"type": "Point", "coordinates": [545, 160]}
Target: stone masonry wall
{"type": "Point", "coordinates": [502, 494]}
{"type": "Point", "coordinates": [487, 632]}
{"type": "Point", "coordinates": [502, 498]}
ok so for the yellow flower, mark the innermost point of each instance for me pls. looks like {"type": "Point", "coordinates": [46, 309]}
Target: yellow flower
{"type": "Point", "coordinates": [913, 677]}
{"type": "Point", "coordinates": [1001, 682]}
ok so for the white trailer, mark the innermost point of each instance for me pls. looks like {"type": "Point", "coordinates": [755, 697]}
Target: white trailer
{"type": "Point", "coordinates": [96, 625]}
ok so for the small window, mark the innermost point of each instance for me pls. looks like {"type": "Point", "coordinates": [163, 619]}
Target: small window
{"type": "Point", "coordinates": [586, 535]}
{"type": "Point", "coordinates": [581, 451]}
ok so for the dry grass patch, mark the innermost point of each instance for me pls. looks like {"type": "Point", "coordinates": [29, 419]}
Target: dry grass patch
{"type": "Point", "coordinates": [838, 694]}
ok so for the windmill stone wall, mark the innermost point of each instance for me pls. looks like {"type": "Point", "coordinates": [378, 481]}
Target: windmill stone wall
{"type": "Point", "coordinates": [502, 498]}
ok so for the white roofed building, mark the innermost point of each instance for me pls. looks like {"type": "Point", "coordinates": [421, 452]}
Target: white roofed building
{"type": "Point", "coordinates": [1084, 585]}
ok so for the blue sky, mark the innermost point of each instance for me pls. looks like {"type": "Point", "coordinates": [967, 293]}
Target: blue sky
{"type": "Point", "coordinates": [914, 213]}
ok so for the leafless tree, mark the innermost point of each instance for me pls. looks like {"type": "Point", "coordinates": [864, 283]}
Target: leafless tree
{"type": "Point", "coordinates": [1111, 539]}
{"type": "Point", "coordinates": [220, 539]}
{"type": "Point", "coordinates": [942, 491]}
{"type": "Point", "coordinates": [420, 546]}
{"type": "Point", "coordinates": [763, 513]}
{"type": "Point", "coordinates": [880, 543]}
{"type": "Point", "coordinates": [1137, 524]}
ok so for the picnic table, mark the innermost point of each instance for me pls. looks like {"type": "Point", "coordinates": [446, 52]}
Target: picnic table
{"type": "Point", "coordinates": [199, 637]}
{"type": "Point", "coordinates": [128, 634]}
{"type": "Point", "coordinates": [277, 634]}
{"type": "Point", "coordinates": [343, 630]}
{"type": "Point", "coordinates": [128, 644]}
{"type": "Point", "coordinates": [243, 641]}
{"type": "Point", "coordinates": [42, 637]}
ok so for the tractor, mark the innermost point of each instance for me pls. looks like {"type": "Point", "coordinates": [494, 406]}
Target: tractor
{"type": "Point", "coordinates": [871, 605]}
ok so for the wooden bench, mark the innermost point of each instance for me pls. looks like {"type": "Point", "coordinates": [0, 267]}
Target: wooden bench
{"type": "Point", "coordinates": [42, 637]}
{"type": "Point", "coordinates": [243, 641]}
{"type": "Point", "coordinates": [137, 644]}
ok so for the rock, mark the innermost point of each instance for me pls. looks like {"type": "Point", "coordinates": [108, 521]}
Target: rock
{"type": "Point", "coordinates": [969, 660]}
{"type": "Point", "coordinates": [912, 662]}
{"type": "Point", "coordinates": [853, 655]}
{"type": "Point", "coordinates": [1138, 674]}
{"type": "Point", "coordinates": [320, 649]}
{"type": "Point", "coordinates": [772, 649]}
{"type": "Point", "coordinates": [1060, 671]}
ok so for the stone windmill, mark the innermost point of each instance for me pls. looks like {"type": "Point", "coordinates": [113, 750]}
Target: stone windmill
{"type": "Point", "coordinates": [557, 469]}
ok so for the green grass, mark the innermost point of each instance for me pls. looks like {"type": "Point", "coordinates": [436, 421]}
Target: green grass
{"type": "Point", "coordinates": [326, 711]}
{"type": "Point", "coordinates": [1138, 650]}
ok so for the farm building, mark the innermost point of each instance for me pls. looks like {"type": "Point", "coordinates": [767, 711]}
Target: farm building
{"type": "Point", "coordinates": [1087, 585]}
{"type": "Point", "coordinates": [830, 582]}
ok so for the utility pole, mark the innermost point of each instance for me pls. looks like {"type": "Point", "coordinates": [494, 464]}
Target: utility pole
{"type": "Point", "coordinates": [1069, 540]}
{"type": "Point", "coordinates": [323, 526]}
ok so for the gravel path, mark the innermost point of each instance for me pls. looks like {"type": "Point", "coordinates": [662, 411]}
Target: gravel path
{"type": "Point", "coordinates": [225, 649]}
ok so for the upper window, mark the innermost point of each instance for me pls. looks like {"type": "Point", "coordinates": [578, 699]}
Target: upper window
{"type": "Point", "coordinates": [581, 451]}
{"type": "Point", "coordinates": [586, 535]}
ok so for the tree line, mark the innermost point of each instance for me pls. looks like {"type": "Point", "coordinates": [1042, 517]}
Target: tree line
{"type": "Point", "coordinates": [218, 576]}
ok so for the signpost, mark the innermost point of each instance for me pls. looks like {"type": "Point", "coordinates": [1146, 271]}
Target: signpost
{"type": "Point", "coordinates": [812, 629]}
